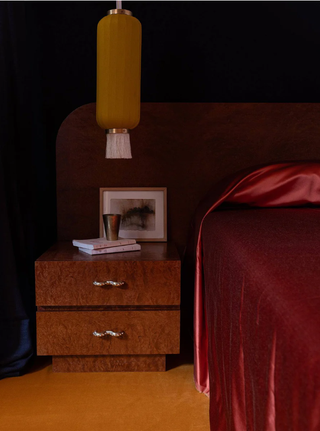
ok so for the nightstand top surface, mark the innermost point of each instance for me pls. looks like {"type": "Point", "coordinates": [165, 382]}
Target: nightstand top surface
{"type": "Point", "coordinates": [65, 251]}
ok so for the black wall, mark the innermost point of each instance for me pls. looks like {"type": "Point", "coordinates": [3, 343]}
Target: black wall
{"type": "Point", "coordinates": [191, 52]}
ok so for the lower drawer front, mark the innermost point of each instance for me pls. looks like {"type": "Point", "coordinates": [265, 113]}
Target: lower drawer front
{"type": "Point", "coordinates": [71, 332]}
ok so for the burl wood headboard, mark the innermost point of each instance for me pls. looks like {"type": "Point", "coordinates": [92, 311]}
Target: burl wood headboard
{"type": "Point", "coordinates": [186, 147]}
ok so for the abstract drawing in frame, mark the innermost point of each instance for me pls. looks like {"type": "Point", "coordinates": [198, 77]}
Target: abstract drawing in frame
{"type": "Point", "coordinates": [143, 211]}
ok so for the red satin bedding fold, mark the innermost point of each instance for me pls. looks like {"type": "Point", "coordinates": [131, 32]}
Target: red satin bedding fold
{"type": "Point", "coordinates": [262, 297]}
{"type": "Point", "coordinates": [279, 185]}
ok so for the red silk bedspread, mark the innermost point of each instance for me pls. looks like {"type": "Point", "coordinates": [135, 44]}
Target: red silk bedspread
{"type": "Point", "coordinates": [278, 185]}
{"type": "Point", "coordinates": [262, 298]}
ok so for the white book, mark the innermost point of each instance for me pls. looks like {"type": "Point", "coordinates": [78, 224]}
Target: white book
{"type": "Point", "coordinates": [119, 249]}
{"type": "Point", "coordinates": [97, 243]}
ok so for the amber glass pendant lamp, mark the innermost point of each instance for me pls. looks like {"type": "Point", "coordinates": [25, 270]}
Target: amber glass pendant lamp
{"type": "Point", "coordinates": [118, 79]}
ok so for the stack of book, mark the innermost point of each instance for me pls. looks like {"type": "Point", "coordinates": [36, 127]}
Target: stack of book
{"type": "Point", "coordinates": [102, 245]}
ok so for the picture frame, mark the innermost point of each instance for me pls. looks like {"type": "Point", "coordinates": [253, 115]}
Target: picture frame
{"type": "Point", "coordinates": [143, 212]}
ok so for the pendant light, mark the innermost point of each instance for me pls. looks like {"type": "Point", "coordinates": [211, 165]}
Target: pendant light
{"type": "Point", "coordinates": [118, 79]}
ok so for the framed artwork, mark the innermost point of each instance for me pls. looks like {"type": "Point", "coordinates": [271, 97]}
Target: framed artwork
{"type": "Point", "coordinates": [143, 212]}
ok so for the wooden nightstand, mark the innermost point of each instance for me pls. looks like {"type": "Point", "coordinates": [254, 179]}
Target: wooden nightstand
{"type": "Point", "coordinates": [145, 310]}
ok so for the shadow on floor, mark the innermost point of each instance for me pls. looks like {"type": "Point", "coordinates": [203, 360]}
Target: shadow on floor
{"type": "Point", "coordinates": [39, 363]}
{"type": "Point", "coordinates": [185, 356]}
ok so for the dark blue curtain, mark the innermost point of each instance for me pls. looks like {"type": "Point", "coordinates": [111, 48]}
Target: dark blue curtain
{"type": "Point", "coordinates": [22, 183]}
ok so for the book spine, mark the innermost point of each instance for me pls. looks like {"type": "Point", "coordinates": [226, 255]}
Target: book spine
{"type": "Point", "coordinates": [102, 245]}
{"type": "Point", "coordinates": [113, 245]}
{"type": "Point", "coordinates": [109, 250]}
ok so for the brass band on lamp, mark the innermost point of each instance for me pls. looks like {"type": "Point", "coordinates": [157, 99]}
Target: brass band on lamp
{"type": "Point", "coordinates": [117, 131]}
{"type": "Point", "coordinates": [119, 11]}
{"type": "Point", "coordinates": [118, 79]}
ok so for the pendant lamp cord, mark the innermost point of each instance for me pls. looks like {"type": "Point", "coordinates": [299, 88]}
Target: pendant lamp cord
{"type": "Point", "coordinates": [119, 4]}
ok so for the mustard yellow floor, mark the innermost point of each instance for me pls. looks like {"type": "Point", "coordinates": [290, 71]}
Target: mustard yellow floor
{"type": "Point", "coordinates": [43, 401]}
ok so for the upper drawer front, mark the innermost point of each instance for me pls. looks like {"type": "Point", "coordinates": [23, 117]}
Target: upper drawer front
{"type": "Point", "coordinates": [71, 283]}
{"type": "Point", "coordinates": [71, 332]}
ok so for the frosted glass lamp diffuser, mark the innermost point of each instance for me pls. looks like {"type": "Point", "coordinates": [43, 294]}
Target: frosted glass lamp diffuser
{"type": "Point", "coordinates": [118, 144]}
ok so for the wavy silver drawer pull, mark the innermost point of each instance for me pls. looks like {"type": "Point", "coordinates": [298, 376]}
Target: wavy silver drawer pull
{"type": "Point", "coordinates": [103, 334]}
{"type": "Point", "coordinates": [109, 283]}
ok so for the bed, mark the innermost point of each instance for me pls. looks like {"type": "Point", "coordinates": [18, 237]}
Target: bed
{"type": "Point", "coordinates": [257, 299]}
